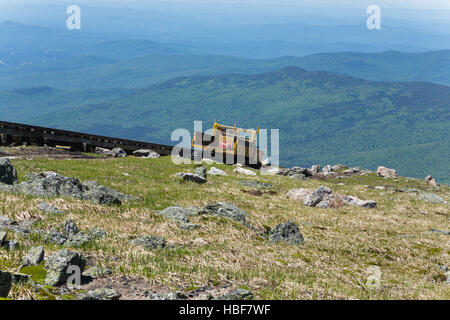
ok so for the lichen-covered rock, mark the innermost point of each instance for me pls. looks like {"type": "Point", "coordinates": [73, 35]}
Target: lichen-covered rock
{"type": "Point", "coordinates": [180, 216]}
{"type": "Point", "coordinates": [150, 242]}
{"type": "Point", "coordinates": [55, 237]}
{"type": "Point", "coordinates": [5, 283]}
{"type": "Point", "coordinates": [256, 184]}
{"type": "Point", "coordinates": [431, 198]}
{"type": "Point", "coordinates": [70, 228]}
{"type": "Point", "coordinates": [100, 294]}
{"type": "Point", "coordinates": [146, 153]}
{"type": "Point", "coordinates": [201, 171]}
{"type": "Point", "coordinates": [58, 263]}
{"type": "Point", "coordinates": [97, 233]}
{"type": "Point", "coordinates": [99, 194]}
{"type": "Point", "coordinates": [226, 210]}
{"type": "Point", "coordinates": [315, 169]}
{"type": "Point", "coordinates": [286, 232]}
{"type": "Point", "coordinates": [312, 199]}
{"type": "Point", "coordinates": [322, 190]}
{"type": "Point", "coordinates": [45, 207]}
{"type": "Point", "coordinates": [238, 294]}
{"type": "Point", "coordinates": [34, 257]}
{"type": "Point", "coordinates": [78, 240]}
{"type": "Point", "coordinates": [191, 177]}
{"type": "Point", "coordinates": [358, 202]}
{"type": "Point", "coordinates": [8, 174]}
{"type": "Point", "coordinates": [97, 272]}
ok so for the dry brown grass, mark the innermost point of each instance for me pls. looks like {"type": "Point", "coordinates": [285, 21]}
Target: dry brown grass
{"type": "Point", "coordinates": [340, 244]}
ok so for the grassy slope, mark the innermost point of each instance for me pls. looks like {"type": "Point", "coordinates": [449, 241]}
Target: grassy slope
{"type": "Point", "coordinates": [321, 116]}
{"type": "Point", "coordinates": [340, 243]}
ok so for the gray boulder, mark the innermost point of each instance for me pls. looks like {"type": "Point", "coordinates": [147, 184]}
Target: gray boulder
{"type": "Point", "coordinates": [100, 294]}
{"type": "Point", "coordinates": [78, 240]}
{"type": "Point", "coordinates": [180, 216]}
{"type": "Point", "coordinates": [97, 272]}
{"type": "Point", "coordinates": [34, 257]}
{"type": "Point", "coordinates": [5, 283]}
{"type": "Point", "coordinates": [55, 237]}
{"type": "Point", "coordinates": [322, 190]}
{"type": "Point", "coordinates": [8, 174]}
{"type": "Point", "coordinates": [201, 171]}
{"type": "Point", "coordinates": [256, 184]}
{"type": "Point", "coordinates": [97, 233]}
{"type": "Point", "coordinates": [150, 242]}
{"type": "Point", "coordinates": [286, 232]}
{"type": "Point", "coordinates": [104, 151]}
{"type": "Point", "coordinates": [315, 169]}
{"type": "Point", "coordinates": [238, 294]}
{"type": "Point", "coordinates": [146, 153]}
{"type": "Point", "coordinates": [192, 177]}
{"type": "Point", "coordinates": [431, 198]}
{"type": "Point", "coordinates": [118, 153]}
{"type": "Point", "coordinates": [226, 210]}
{"type": "Point", "coordinates": [58, 263]}
{"type": "Point", "coordinates": [312, 199]}
{"type": "Point", "coordinates": [70, 228]}
{"type": "Point", "coordinates": [216, 172]}
{"type": "Point", "coordinates": [45, 207]}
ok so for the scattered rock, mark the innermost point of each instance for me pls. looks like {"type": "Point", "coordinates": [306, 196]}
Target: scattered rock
{"type": "Point", "coordinates": [97, 233]}
{"type": "Point", "coordinates": [431, 198]}
{"type": "Point", "coordinates": [11, 245]}
{"type": "Point", "coordinates": [58, 263]}
{"type": "Point", "coordinates": [256, 184]}
{"type": "Point", "coordinates": [440, 231]}
{"type": "Point", "coordinates": [150, 242]}
{"type": "Point", "coordinates": [271, 171]}
{"type": "Point", "coordinates": [104, 151]}
{"type": "Point", "coordinates": [327, 169]}
{"type": "Point", "coordinates": [100, 294]}
{"type": "Point", "coordinates": [70, 228]}
{"type": "Point", "coordinates": [119, 153]}
{"type": "Point", "coordinates": [78, 240]}
{"type": "Point", "coordinates": [322, 190]}
{"type": "Point", "coordinates": [312, 199]}
{"type": "Point", "coordinates": [45, 207]}
{"type": "Point", "coordinates": [286, 232]}
{"type": "Point", "coordinates": [216, 172]}
{"type": "Point", "coordinates": [180, 216]}
{"type": "Point", "coordinates": [8, 174]}
{"type": "Point", "coordinates": [146, 153]}
{"type": "Point", "coordinates": [51, 184]}
{"type": "Point", "coordinates": [55, 237]}
{"type": "Point", "coordinates": [238, 294]}
{"type": "Point", "coordinates": [177, 295]}
{"type": "Point", "coordinates": [34, 257]}
{"type": "Point", "coordinates": [298, 194]}
{"type": "Point", "coordinates": [97, 272]}
{"type": "Point", "coordinates": [315, 169]}
{"type": "Point", "coordinates": [201, 171]}
{"type": "Point", "coordinates": [192, 177]}
{"type": "Point", "coordinates": [226, 210]}
{"type": "Point", "coordinates": [297, 171]}
{"type": "Point", "coordinates": [358, 202]}
{"type": "Point", "coordinates": [386, 172]}
{"type": "Point", "coordinates": [430, 181]}
{"type": "Point", "coordinates": [5, 283]}
{"type": "Point", "coordinates": [298, 176]}
{"type": "Point", "coordinates": [244, 171]}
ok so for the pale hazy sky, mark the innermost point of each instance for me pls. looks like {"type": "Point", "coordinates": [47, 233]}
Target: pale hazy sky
{"type": "Point", "coordinates": [411, 4]}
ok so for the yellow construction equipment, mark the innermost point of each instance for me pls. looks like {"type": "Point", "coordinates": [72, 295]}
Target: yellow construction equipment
{"type": "Point", "coordinates": [229, 144]}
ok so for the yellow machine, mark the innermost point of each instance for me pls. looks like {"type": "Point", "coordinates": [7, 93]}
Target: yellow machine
{"type": "Point", "coordinates": [229, 144]}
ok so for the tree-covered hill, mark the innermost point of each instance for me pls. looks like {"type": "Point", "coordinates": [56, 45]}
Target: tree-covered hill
{"type": "Point", "coordinates": [322, 117]}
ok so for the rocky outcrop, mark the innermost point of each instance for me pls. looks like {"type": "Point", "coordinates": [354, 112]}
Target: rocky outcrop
{"type": "Point", "coordinates": [226, 210]}
{"type": "Point", "coordinates": [286, 232]}
{"type": "Point", "coordinates": [100, 294]}
{"type": "Point", "coordinates": [52, 184]}
{"type": "Point", "coordinates": [45, 207]}
{"type": "Point", "coordinates": [34, 257]}
{"type": "Point", "coordinates": [324, 198]}
{"type": "Point", "coordinates": [150, 242]}
{"type": "Point", "coordinates": [8, 174]}
{"type": "Point", "coordinates": [146, 153]}
{"type": "Point", "coordinates": [386, 172]}
{"type": "Point", "coordinates": [180, 216]}
{"type": "Point", "coordinates": [238, 294]}
{"type": "Point", "coordinates": [256, 184]}
{"type": "Point", "coordinates": [58, 263]}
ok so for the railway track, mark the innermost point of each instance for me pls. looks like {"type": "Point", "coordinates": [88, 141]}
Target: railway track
{"type": "Point", "coordinates": [23, 134]}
